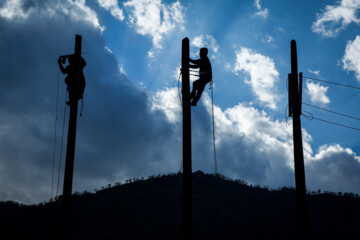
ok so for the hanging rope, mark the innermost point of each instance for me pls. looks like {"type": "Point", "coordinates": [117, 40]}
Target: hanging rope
{"type": "Point", "coordinates": [213, 124]}
{"type": "Point", "coordinates": [61, 148]}
{"type": "Point", "coordinates": [54, 149]}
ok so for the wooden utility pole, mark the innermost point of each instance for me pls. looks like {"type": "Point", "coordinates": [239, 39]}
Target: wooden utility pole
{"type": "Point", "coordinates": [70, 153]}
{"type": "Point", "coordinates": [187, 168]}
{"type": "Point", "coordinates": [295, 92]}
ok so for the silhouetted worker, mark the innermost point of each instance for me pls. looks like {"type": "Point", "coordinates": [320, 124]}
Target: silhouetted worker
{"type": "Point", "coordinates": [75, 79]}
{"type": "Point", "coordinates": [205, 75]}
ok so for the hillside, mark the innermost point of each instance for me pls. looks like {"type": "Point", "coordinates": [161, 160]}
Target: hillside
{"type": "Point", "coordinates": [151, 209]}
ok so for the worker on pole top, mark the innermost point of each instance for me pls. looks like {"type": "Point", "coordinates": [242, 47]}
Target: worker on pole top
{"type": "Point", "coordinates": [205, 75]}
{"type": "Point", "coordinates": [75, 79]}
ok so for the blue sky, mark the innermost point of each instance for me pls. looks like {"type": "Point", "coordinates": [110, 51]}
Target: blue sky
{"type": "Point", "coordinates": [131, 125]}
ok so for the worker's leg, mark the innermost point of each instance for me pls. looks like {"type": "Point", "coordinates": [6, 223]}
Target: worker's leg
{"type": "Point", "coordinates": [195, 88]}
{"type": "Point", "coordinates": [198, 94]}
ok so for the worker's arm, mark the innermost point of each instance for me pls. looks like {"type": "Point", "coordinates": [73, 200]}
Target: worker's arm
{"type": "Point", "coordinates": [194, 61]}
{"type": "Point", "coordinates": [62, 69]}
{"type": "Point", "coordinates": [83, 63]}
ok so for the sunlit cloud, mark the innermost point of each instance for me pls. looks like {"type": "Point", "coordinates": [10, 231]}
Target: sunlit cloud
{"type": "Point", "coordinates": [263, 75]}
{"type": "Point", "coordinates": [19, 10]}
{"type": "Point", "coordinates": [317, 93]}
{"type": "Point", "coordinates": [335, 18]}
{"type": "Point", "coordinates": [261, 12]}
{"type": "Point", "coordinates": [154, 18]}
{"type": "Point", "coordinates": [351, 59]}
{"type": "Point", "coordinates": [113, 7]}
{"type": "Point", "coordinates": [168, 101]}
{"type": "Point", "coordinates": [316, 72]}
{"type": "Point", "coordinates": [205, 41]}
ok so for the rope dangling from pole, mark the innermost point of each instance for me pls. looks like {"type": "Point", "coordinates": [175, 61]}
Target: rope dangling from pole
{"type": "Point", "coordinates": [61, 147]}
{"type": "Point", "coordinates": [213, 124]}
{"type": "Point", "coordinates": [54, 149]}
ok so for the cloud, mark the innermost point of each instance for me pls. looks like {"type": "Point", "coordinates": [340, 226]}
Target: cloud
{"type": "Point", "coordinates": [263, 75]}
{"type": "Point", "coordinates": [154, 18]}
{"type": "Point", "coordinates": [262, 12]}
{"type": "Point", "coordinates": [317, 93]}
{"type": "Point", "coordinates": [20, 10]}
{"type": "Point", "coordinates": [168, 101]}
{"type": "Point", "coordinates": [267, 38]}
{"type": "Point", "coordinates": [334, 168]}
{"type": "Point", "coordinates": [316, 72]}
{"type": "Point", "coordinates": [335, 18]}
{"type": "Point", "coordinates": [113, 7]}
{"type": "Point", "coordinates": [205, 41]}
{"type": "Point", "coordinates": [351, 59]}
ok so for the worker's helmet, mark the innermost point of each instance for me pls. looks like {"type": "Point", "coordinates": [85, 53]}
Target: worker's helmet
{"type": "Point", "coordinates": [204, 51]}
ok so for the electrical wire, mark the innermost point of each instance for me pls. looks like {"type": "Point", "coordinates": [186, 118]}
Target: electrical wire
{"type": "Point", "coordinates": [310, 117]}
{"type": "Point", "coordinates": [324, 109]}
{"type": "Point", "coordinates": [340, 84]}
{"type": "Point", "coordinates": [337, 124]}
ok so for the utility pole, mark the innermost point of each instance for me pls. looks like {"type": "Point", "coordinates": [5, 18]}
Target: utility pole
{"type": "Point", "coordinates": [70, 153]}
{"type": "Point", "coordinates": [187, 168]}
{"type": "Point", "coordinates": [295, 102]}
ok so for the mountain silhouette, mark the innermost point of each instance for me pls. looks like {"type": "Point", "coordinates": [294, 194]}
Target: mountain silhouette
{"type": "Point", "coordinates": [151, 209]}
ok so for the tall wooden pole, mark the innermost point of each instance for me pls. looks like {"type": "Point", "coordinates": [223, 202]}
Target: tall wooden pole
{"type": "Point", "coordinates": [187, 168]}
{"type": "Point", "coordinates": [70, 153]}
{"type": "Point", "coordinates": [302, 210]}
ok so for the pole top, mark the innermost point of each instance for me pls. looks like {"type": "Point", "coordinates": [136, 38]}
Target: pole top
{"type": "Point", "coordinates": [186, 39]}
{"type": "Point", "coordinates": [78, 39]}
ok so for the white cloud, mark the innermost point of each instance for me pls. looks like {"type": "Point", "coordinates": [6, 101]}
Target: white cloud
{"type": "Point", "coordinates": [152, 17]}
{"type": "Point", "coordinates": [334, 168]}
{"type": "Point", "coordinates": [351, 59]}
{"type": "Point", "coordinates": [113, 7]}
{"type": "Point", "coordinates": [168, 101]}
{"type": "Point", "coordinates": [207, 41]}
{"type": "Point", "coordinates": [77, 11]}
{"type": "Point", "coordinates": [13, 10]}
{"type": "Point", "coordinates": [316, 72]}
{"type": "Point", "coordinates": [108, 49]}
{"type": "Point", "coordinates": [317, 93]}
{"type": "Point", "coordinates": [335, 18]}
{"type": "Point", "coordinates": [263, 75]}
{"type": "Point", "coordinates": [267, 38]}
{"type": "Point", "coordinates": [262, 12]}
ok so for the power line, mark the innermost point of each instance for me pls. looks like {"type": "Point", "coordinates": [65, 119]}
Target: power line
{"type": "Point", "coordinates": [341, 125]}
{"type": "Point", "coordinates": [334, 123]}
{"type": "Point", "coordinates": [324, 109]}
{"type": "Point", "coordinates": [340, 84]}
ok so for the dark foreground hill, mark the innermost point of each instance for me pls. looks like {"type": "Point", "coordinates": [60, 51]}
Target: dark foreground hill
{"type": "Point", "coordinates": [151, 209]}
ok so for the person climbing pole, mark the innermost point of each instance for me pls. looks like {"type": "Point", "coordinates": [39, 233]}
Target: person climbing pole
{"type": "Point", "coordinates": [205, 75]}
{"type": "Point", "coordinates": [75, 79]}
